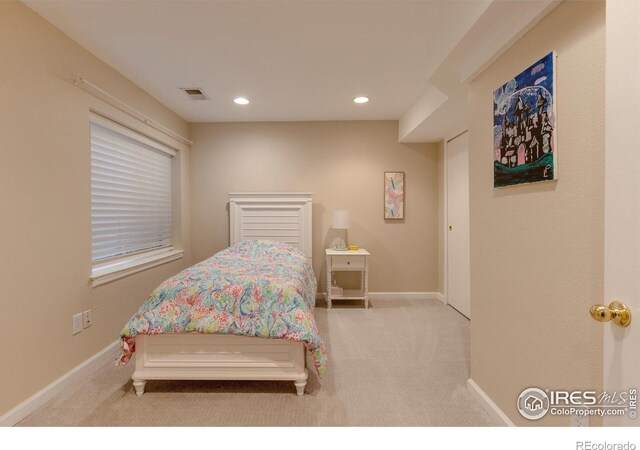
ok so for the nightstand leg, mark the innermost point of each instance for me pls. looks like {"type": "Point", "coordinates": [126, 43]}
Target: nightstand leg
{"type": "Point", "coordinates": [366, 284]}
{"type": "Point", "coordinates": [329, 282]}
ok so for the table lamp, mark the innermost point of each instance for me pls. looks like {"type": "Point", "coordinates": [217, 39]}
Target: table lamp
{"type": "Point", "coordinates": [341, 222]}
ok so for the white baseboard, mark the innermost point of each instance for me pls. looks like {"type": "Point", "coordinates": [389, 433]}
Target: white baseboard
{"type": "Point", "coordinates": [496, 414]}
{"type": "Point", "coordinates": [406, 296]}
{"type": "Point", "coordinates": [70, 378]}
{"type": "Point", "coordinates": [398, 296]}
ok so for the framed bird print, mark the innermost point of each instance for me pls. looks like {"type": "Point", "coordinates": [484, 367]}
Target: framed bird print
{"type": "Point", "coordinates": [394, 195]}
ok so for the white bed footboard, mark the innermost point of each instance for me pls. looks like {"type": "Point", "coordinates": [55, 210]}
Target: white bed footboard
{"type": "Point", "coordinates": [217, 357]}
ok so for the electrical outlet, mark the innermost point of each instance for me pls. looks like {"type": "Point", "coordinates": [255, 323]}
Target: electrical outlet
{"type": "Point", "coordinates": [77, 323]}
{"type": "Point", "coordinates": [86, 318]}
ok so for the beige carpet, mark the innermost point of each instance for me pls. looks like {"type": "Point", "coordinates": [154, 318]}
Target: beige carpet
{"type": "Point", "coordinates": [400, 363]}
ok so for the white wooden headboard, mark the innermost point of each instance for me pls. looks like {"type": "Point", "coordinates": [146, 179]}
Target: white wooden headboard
{"type": "Point", "coordinates": [279, 216]}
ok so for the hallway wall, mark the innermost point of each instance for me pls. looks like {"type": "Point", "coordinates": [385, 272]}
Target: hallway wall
{"type": "Point", "coordinates": [537, 250]}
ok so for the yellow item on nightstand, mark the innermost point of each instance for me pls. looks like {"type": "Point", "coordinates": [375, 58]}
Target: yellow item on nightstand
{"type": "Point", "coordinates": [354, 247]}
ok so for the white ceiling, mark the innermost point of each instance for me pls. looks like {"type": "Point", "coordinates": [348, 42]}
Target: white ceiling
{"type": "Point", "coordinates": [303, 60]}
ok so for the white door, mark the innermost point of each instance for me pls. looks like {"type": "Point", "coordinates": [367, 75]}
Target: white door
{"type": "Point", "coordinates": [622, 198]}
{"type": "Point", "coordinates": [458, 250]}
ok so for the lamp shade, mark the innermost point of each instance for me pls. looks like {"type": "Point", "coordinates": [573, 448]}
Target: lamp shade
{"type": "Point", "coordinates": [341, 220]}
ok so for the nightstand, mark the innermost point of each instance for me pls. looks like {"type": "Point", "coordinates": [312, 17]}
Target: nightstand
{"type": "Point", "coordinates": [351, 261]}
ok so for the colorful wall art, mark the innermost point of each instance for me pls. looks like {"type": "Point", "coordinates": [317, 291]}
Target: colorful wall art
{"type": "Point", "coordinates": [524, 126]}
{"type": "Point", "coordinates": [394, 195]}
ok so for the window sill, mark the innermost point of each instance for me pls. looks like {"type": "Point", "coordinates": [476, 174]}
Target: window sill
{"type": "Point", "coordinates": [103, 274]}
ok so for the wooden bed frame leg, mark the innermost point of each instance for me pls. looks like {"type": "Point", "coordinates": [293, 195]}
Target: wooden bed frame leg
{"type": "Point", "coordinates": [301, 383]}
{"type": "Point", "coordinates": [139, 385]}
{"type": "Point", "coordinates": [300, 386]}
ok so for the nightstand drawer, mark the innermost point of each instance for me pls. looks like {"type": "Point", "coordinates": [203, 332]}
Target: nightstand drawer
{"type": "Point", "coordinates": [347, 262]}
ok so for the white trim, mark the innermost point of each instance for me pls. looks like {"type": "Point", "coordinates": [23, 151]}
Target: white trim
{"type": "Point", "coordinates": [81, 82]}
{"type": "Point", "coordinates": [406, 296]}
{"type": "Point", "coordinates": [445, 213]}
{"type": "Point", "coordinates": [105, 121]}
{"type": "Point", "coordinates": [107, 273]}
{"type": "Point", "coordinates": [77, 374]}
{"type": "Point", "coordinates": [397, 296]}
{"type": "Point", "coordinates": [445, 221]}
{"type": "Point", "coordinates": [496, 414]}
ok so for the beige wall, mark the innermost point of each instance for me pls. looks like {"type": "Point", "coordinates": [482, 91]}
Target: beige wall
{"type": "Point", "coordinates": [342, 163]}
{"type": "Point", "coordinates": [45, 225]}
{"type": "Point", "coordinates": [537, 250]}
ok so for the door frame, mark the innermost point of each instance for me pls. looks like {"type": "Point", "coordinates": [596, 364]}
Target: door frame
{"type": "Point", "coordinates": [445, 211]}
{"type": "Point", "coordinates": [620, 367]}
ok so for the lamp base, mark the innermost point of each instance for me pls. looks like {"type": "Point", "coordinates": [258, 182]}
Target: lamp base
{"type": "Point", "coordinates": [341, 245]}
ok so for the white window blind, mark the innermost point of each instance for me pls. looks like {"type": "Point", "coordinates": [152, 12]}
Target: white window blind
{"type": "Point", "coordinates": [130, 192]}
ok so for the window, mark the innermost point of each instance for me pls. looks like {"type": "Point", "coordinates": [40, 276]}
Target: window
{"type": "Point", "coordinates": [131, 211]}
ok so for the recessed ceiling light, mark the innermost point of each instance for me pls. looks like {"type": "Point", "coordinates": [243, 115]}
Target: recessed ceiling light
{"type": "Point", "coordinates": [241, 101]}
{"type": "Point", "coordinates": [361, 99]}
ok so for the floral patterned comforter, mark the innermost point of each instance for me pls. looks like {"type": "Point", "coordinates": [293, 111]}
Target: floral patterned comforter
{"type": "Point", "coordinates": [254, 288]}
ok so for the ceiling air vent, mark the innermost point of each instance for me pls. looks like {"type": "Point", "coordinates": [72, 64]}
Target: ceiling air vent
{"type": "Point", "coordinates": [195, 93]}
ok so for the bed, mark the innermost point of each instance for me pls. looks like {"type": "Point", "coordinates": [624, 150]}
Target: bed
{"type": "Point", "coordinates": [246, 313]}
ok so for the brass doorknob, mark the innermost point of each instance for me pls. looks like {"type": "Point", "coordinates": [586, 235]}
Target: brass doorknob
{"type": "Point", "coordinates": [617, 312]}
